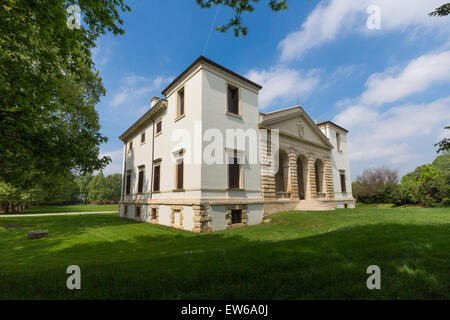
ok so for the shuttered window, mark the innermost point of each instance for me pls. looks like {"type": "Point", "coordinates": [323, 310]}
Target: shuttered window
{"type": "Point", "coordinates": [180, 174]}
{"type": "Point", "coordinates": [128, 184]}
{"type": "Point", "coordinates": [159, 126]}
{"type": "Point", "coordinates": [343, 187]}
{"type": "Point", "coordinates": [141, 181]}
{"type": "Point", "coordinates": [156, 178]}
{"type": "Point", "coordinates": [234, 174]}
{"type": "Point", "coordinates": [233, 99]}
{"type": "Point", "coordinates": [180, 102]}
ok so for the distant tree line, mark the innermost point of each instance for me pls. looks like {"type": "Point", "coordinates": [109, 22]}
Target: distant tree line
{"type": "Point", "coordinates": [62, 189]}
{"type": "Point", "coordinates": [428, 185]}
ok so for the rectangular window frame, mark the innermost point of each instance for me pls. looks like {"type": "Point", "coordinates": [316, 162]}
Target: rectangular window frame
{"type": "Point", "coordinates": [240, 180]}
{"type": "Point", "coordinates": [128, 183]}
{"type": "Point", "coordinates": [143, 137]}
{"type": "Point", "coordinates": [141, 177]}
{"type": "Point", "coordinates": [158, 127]}
{"type": "Point", "coordinates": [238, 111]}
{"type": "Point", "coordinates": [179, 180]}
{"type": "Point", "coordinates": [181, 103]}
{"type": "Point", "coordinates": [343, 182]}
{"type": "Point", "coordinates": [157, 177]}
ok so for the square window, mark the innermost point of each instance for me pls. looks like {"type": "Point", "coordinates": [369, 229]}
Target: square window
{"type": "Point", "coordinates": [236, 216]}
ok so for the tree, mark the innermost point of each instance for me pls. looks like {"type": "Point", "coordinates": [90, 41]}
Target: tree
{"type": "Point", "coordinates": [444, 144]}
{"type": "Point", "coordinates": [442, 162]}
{"type": "Point", "coordinates": [48, 123]}
{"type": "Point", "coordinates": [443, 10]}
{"type": "Point", "coordinates": [375, 184]}
{"type": "Point", "coordinates": [105, 189]}
{"type": "Point", "coordinates": [239, 7]}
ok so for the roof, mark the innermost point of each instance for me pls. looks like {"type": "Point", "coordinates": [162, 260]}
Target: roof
{"type": "Point", "coordinates": [204, 59]}
{"type": "Point", "coordinates": [142, 121]}
{"type": "Point", "coordinates": [332, 123]}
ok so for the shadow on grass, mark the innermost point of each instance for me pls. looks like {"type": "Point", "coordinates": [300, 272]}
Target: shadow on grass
{"type": "Point", "coordinates": [414, 262]}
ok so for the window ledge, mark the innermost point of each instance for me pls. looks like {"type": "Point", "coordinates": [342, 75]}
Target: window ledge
{"type": "Point", "coordinates": [180, 117]}
{"type": "Point", "coordinates": [228, 113]}
{"type": "Point", "coordinates": [156, 192]}
{"type": "Point", "coordinates": [158, 134]}
{"type": "Point", "coordinates": [235, 189]}
{"type": "Point", "coordinates": [178, 190]}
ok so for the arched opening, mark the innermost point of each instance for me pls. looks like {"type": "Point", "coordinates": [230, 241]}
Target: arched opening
{"type": "Point", "coordinates": [319, 171]}
{"type": "Point", "coordinates": [302, 176]}
{"type": "Point", "coordinates": [281, 177]}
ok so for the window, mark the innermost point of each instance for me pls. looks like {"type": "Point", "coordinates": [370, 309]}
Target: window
{"type": "Point", "coordinates": [338, 142]}
{"type": "Point", "coordinates": [234, 172]}
{"type": "Point", "coordinates": [180, 110]}
{"type": "Point", "coordinates": [137, 213]}
{"type": "Point", "coordinates": [141, 180]}
{"type": "Point", "coordinates": [233, 99]}
{"type": "Point", "coordinates": [143, 137]}
{"type": "Point", "coordinates": [128, 183]}
{"type": "Point", "coordinates": [343, 187]}
{"type": "Point", "coordinates": [179, 175]}
{"type": "Point", "coordinates": [153, 214]}
{"type": "Point", "coordinates": [159, 126]}
{"type": "Point", "coordinates": [236, 216]}
{"type": "Point", "coordinates": [177, 217]}
{"type": "Point", "coordinates": [130, 146]}
{"type": "Point", "coordinates": [156, 177]}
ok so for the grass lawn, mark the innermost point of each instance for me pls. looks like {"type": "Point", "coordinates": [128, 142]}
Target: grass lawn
{"type": "Point", "coordinates": [74, 208]}
{"type": "Point", "coordinates": [298, 255]}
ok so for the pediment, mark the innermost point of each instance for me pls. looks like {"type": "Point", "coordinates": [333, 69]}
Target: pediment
{"type": "Point", "coordinates": [296, 123]}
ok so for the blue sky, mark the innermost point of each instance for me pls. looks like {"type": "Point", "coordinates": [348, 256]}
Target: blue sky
{"type": "Point", "coordinates": [389, 87]}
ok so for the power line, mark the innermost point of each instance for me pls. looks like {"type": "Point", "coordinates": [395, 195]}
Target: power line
{"type": "Point", "coordinates": [210, 30]}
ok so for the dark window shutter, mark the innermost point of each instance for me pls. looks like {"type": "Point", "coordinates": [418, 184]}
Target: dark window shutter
{"type": "Point", "coordinates": [236, 216]}
{"type": "Point", "coordinates": [180, 168]}
{"type": "Point", "coordinates": [343, 186]}
{"type": "Point", "coordinates": [233, 100]}
{"type": "Point", "coordinates": [143, 137]}
{"type": "Point", "coordinates": [181, 103]}
{"type": "Point", "coordinates": [156, 178]}
{"type": "Point", "coordinates": [128, 186]}
{"type": "Point", "coordinates": [141, 181]}
{"type": "Point", "coordinates": [233, 174]}
{"type": "Point", "coordinates": [159, 127]}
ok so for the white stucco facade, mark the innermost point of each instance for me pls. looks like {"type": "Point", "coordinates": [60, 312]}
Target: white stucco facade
{"type": "Point", "coordinates": [205, 201]}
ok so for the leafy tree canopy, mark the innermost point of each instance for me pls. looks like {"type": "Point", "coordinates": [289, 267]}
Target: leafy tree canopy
{"type": "Point", "coordinates": [239, 7]}
{"type": "Point", "coordinates": [443, 10]}
{"type": "Point", "coordinates": [48, 87]}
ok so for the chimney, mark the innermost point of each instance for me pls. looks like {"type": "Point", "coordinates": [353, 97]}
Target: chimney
{"type": "Point", "coordinates": [154, 101]}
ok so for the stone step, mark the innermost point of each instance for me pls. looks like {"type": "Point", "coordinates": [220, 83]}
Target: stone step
{"type": "Point", "coordinates": [312, 205]}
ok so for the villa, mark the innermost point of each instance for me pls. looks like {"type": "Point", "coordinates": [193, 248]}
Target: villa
{"type": "Point", "coordinates": [182, 169]}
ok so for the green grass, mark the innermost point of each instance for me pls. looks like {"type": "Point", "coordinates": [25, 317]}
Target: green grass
{"type": "Point", "coordinates": [73, 208]}
{"type": "Point", "coordinates": [298, 255]}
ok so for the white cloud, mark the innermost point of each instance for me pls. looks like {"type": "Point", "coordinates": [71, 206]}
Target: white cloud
{"type": "Point", "coordinates": [417, 76]}
{"type": "Point", "coordinates": [397, 136]}
{"type": "Point", "coordinates": [337, 17]}
{"type": "Point", "coordinates": [116, 164]}
{"type": "Point", "coordinates": [135, 87]}
{"type": "Point", "coordinates": [281, 83]}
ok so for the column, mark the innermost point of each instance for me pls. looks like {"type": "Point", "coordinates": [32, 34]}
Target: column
{"type": "Point", "coordinates": [328, 179]}
{"type": "Point", "coordinates": [311, 184]}
{"type": "Point", "coordinates": [292, 177]}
